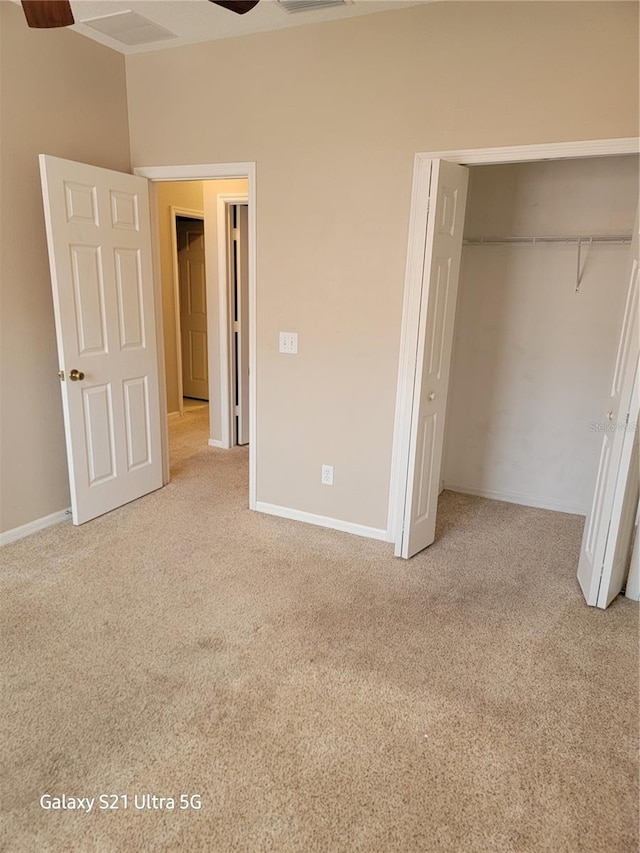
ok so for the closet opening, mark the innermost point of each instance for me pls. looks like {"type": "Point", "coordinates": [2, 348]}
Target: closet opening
{"type": "Point", "coordinates": [541, 299]}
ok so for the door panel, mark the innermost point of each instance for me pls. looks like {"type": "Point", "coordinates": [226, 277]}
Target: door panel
{"type": "Point", "coordinates": [445, 224]}
{"type": "Point", "coordinates": [100, 258]}
{"type": "Point", "coordinates": [599, 570]}
{"type": "Point", "coordinates": [101, 444]}
{"type": "Point", "coordinates": [193, 308]}
{"type": "Point", "coordinates": [136, 399]}
{"type": "Point", "coordinates": [424, 462]}
{"type": "Point", "coordinates": [88, 285]}
{"type": "Point", "coordinates": [130, 298]}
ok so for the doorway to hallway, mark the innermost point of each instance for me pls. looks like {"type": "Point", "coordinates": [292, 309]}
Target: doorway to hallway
{"type": "Point", "coordinates": [203, 235]}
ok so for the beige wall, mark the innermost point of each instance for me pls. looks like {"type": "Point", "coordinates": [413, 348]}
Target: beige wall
{"type": "Point", "coordinates": [64, 95]}
{"type": "Point", "coordinates": [333, 119]}
{"type": "Point", "coordinates": [333, 114]}
{"type": "Point", "coordinates": [188, 196]}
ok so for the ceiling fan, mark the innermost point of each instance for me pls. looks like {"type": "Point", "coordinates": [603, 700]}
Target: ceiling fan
{"type": "Point", "coordinates": [57, 13]}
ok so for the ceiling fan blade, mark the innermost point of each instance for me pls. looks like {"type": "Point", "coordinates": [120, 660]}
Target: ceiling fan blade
{"type": "Point", "coordinates": [48, 13]}
{"type": "Point", "coordinates": [237, 6]}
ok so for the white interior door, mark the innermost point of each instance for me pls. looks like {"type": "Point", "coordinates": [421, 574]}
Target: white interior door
{"type": "Point", "coordinates": [193, 308]}
{"type": "Point", "coordinates": [633, 579]}
{"type": "Point", "coordinates": [98, 233]}
{"type": "Point", "coordinates": [445, 225]}
{"type": "Point", "coordinates": [610, 521]}
{"type": "Point", "coordinates": [242, 325]}
{"type": "Point", "coordinates": [617, 559]}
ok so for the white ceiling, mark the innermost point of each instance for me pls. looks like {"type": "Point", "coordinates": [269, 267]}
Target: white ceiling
{"type": "Point", "coordinates": [199, 20]}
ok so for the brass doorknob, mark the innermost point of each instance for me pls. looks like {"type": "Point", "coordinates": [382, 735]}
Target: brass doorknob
{"type": "Point", "coordinates": [76, 375]}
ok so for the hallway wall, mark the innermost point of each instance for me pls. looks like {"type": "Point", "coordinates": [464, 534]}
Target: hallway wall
{"type": "Point", "coordinates": [189, 196]}
{"type": "Point", "coordinates": [202, 196]}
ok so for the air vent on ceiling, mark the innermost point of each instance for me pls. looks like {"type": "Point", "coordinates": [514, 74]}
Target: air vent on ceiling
{"type": "Point", "coordinates": [129, 28]}
{"type": "Point", "coordinates": [310, 5]}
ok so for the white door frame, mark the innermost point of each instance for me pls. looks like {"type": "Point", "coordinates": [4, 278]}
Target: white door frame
{"type": "Point", "coordinates": [413, 280]}
{"type": "Point", "coordinates": [207, 172]}
{"type": "Point", "coordinates": [191, 214]}
{"type": "Point", "coordinates": [223, 202]}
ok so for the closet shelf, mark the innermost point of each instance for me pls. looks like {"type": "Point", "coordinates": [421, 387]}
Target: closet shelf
{"type": "Point", "coordinates": [598, 238]}
{"type": "Point", "coordinates": [534, 241]}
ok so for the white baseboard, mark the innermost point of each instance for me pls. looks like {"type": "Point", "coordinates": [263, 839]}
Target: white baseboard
{"type": "Point", "coordinates": [33, 526]}
{"type": "Point", "coordinates": [323, 521]}
{"type": "Point", "coordinates": [515, 498]}
{"type": "Point", "coordinates": [215, 442]}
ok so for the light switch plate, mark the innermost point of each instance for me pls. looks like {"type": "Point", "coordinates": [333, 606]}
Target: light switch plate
{"type": "Point", "coordinates": [289, 342]}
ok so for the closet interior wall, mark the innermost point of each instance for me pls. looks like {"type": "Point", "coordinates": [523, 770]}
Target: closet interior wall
{"type": "Point", "coordinates": [533, 354]}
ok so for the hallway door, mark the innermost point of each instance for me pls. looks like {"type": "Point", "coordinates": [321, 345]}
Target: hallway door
{"type": "Point", "coordinates": [193, 308]}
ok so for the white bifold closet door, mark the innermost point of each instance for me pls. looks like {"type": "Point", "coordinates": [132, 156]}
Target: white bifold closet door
{"type": "Point", "coordinates": [445, 225]}
{"type": "Point", "coordinates": [99, 238]}
{"type": "Point", "coordinates": [609, 525]}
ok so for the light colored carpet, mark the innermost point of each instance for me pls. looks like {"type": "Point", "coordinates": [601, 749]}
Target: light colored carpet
{"type": "Point", "coordinates": [317, 693]}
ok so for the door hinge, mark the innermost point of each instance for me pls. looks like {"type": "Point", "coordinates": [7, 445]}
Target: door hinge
{"type": "Point", "coordinates": [61, 375]}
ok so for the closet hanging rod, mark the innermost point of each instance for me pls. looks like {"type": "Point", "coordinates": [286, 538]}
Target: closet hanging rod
{"type": "Point", "coordinates": [599, 238]}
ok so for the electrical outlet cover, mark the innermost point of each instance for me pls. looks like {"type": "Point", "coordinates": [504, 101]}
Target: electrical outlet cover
{"type": "Point", "coordinates": [327, 475]}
